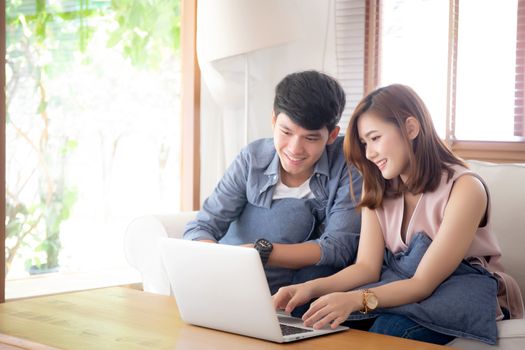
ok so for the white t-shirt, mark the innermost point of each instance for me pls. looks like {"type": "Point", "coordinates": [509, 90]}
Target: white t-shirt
{"type": "Point", "coordinates": [301, 192]}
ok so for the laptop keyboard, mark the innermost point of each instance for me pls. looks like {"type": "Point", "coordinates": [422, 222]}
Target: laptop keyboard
{"type": "Point", "coordinates": [289, 330]}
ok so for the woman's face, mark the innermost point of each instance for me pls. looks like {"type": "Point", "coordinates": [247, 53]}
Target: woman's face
{"type": "Point", "coordinates": [384, 145]}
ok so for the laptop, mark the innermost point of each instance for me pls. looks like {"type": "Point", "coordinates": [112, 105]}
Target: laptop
{"type": "Point", "coordinates": [224, 287]}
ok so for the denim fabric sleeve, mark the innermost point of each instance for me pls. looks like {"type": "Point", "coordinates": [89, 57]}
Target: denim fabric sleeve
{"type": "Point", "coordinates": [343, 223]}
{"type": "Point", "coordinates": [224, 205]}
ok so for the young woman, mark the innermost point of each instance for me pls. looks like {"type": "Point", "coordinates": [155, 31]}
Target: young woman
{"type": "Point", "coordinates": [440, 275]}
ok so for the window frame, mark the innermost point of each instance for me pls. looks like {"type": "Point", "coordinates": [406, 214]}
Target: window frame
{"type": "Point", "coordinates": [190, 109]}
{"type": "Point", "coordinates": [493, 151]}
{"type": "Point", "coordinates": [372, 45]}
{"type": "Point", "coordinates": [519, 111]}
{"type": "Point", "coordinates": [2, 147]}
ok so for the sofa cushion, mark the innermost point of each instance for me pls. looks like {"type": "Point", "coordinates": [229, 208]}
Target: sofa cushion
{"type": "Point", "coordinates": [511, 336]}
{"type": "Point", "coordinates": [507, 194]}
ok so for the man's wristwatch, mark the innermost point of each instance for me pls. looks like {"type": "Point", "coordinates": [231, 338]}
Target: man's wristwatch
{"type": "Point", "coordinates": [370, 301]}
{"type": "Point", "coordinates": [264, 247]}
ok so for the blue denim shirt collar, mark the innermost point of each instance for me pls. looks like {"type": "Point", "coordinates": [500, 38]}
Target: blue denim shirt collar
{"type": "Point", "coordinates": [273, 167]}
{"type": "Point", "coordinates": [322, 166]}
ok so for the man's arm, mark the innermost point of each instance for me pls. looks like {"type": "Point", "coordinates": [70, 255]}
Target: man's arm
{"type": "Point", "coordinates": [223, 206]}
{"type": "Point", "coordinates": [340, 239]}
{"type": "Point", "coordinates": [337, 246]}
{"type": "Point", "coordinates": [295, 256]}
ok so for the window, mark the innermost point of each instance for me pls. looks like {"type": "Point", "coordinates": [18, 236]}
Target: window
{"type": "Point", "coordinates": [414, 43]}
{"type": "Point", "coordinates": [466, 58]}
{"type": "Point", "coordinates": [93, 129]}
{"type": "Point", "coordinates": [486, 70]}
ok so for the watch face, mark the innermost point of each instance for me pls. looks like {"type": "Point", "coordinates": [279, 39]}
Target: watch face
{"type": "Point", "coordinates": [264, 244]}
{"type": "Point", "coordinates": [371, 301]}
{"type": "Point", "coordinates": [264, 247]}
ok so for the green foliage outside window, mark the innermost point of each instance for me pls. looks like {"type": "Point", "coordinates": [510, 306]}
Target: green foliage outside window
{"type": "Point", "coordinates": [43, 38]}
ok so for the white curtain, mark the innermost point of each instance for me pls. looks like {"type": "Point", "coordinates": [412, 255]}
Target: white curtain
{"type": "Point", "coordinates": [275, 38]}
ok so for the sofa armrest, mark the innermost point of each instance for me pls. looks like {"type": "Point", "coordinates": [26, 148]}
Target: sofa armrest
{"type": "Point", "coordinates": [141, 251]}
{"type": "Point", "coordinates": [174, 224]}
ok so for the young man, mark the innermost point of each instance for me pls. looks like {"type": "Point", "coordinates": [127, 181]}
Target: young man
{"type": "Point", "coordinates": [289, 196]}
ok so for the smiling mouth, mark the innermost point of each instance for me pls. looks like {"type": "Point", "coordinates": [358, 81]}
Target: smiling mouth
{"type": "Point", "coordinates": [381, 164]}
{"type": "Point", "coordinates": [294, 160]}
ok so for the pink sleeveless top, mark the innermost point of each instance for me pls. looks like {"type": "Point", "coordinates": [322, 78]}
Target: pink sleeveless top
{"type": "Point", "coordinates": [427, 217]}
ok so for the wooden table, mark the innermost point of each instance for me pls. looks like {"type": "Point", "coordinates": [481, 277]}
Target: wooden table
{"type": "Point", "coordinates": [124, 318]}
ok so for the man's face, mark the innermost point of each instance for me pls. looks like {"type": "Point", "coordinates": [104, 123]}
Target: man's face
{"type": "Point", "coordinates": [299, 149]}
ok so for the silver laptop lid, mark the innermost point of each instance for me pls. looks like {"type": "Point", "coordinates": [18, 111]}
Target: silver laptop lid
{"type": "Point", "coordinates": [221, 287]}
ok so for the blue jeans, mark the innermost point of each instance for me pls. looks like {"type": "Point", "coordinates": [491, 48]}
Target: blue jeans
{"type": "Point", "coordinates": [307, 274]}
{"type": "Point", "coordinates": [402, 327]}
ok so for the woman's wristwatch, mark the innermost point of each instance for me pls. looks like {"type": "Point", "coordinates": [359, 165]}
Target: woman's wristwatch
{"type": "Point", "coordinates": [370, 301]}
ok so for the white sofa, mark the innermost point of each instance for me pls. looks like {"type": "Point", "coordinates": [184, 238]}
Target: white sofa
{"type": "Point", "coordinates": [507, 189]}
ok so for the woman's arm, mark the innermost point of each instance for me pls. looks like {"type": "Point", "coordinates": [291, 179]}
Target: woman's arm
{"type": "Point", "coordinates": [366, 269]}
{"type": "Point", "coordinates": [465, 209]}
{"type": "Point", "coordinates": [463, 214]}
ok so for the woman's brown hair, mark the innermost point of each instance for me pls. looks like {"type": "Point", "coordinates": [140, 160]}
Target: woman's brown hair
{"type": "Point", "coordinates": [428, 159]}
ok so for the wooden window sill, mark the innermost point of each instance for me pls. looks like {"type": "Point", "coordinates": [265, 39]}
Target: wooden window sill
{"type": "Point", "coordinates": [491, 151]}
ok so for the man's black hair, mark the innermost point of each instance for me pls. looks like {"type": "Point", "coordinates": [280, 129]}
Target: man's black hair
{"type": "Point", "coordinates": [310, 99]}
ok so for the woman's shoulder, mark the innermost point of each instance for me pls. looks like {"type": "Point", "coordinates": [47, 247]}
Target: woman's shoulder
{"type": "Point", "coordinates": [467, 183]}
{"type": "Point", "coordinates": [463, 175]}
{"type": "Point", "coordinates": [453, 172]}
{"type": "Point", "coordinates": [454, 178]}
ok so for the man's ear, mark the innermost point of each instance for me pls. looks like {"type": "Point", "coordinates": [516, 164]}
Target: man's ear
{"type": "Point", "coordinates": [333, 135]}
{"type": "Point", "coordinates": [274, 119]}
{"type": "Point", "coordinates": [412, 127]}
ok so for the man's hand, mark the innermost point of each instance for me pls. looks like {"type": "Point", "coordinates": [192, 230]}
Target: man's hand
{"type": "Point", "coordinates": [247, 245]}
{"type": "Point", "coordinates": [332, 309]}
{"type": "Point", "coordinates": [288, 298]}
{"type": "Point", "coordinates": [207, 241]}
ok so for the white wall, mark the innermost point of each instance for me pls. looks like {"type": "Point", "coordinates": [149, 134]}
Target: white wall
{"type": "Point", "coordinates": [222, 99]}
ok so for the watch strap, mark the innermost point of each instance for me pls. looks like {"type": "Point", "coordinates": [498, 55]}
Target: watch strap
{"type": "Point", "coordinates": [367, 293]}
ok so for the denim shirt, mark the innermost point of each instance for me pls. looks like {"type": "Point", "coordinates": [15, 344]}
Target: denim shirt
{"type": "Point", "coordinates": [251, 179]}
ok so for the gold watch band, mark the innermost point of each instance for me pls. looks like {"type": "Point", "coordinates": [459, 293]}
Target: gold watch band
{"type": "Point", "coordinates": [369, 301]}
